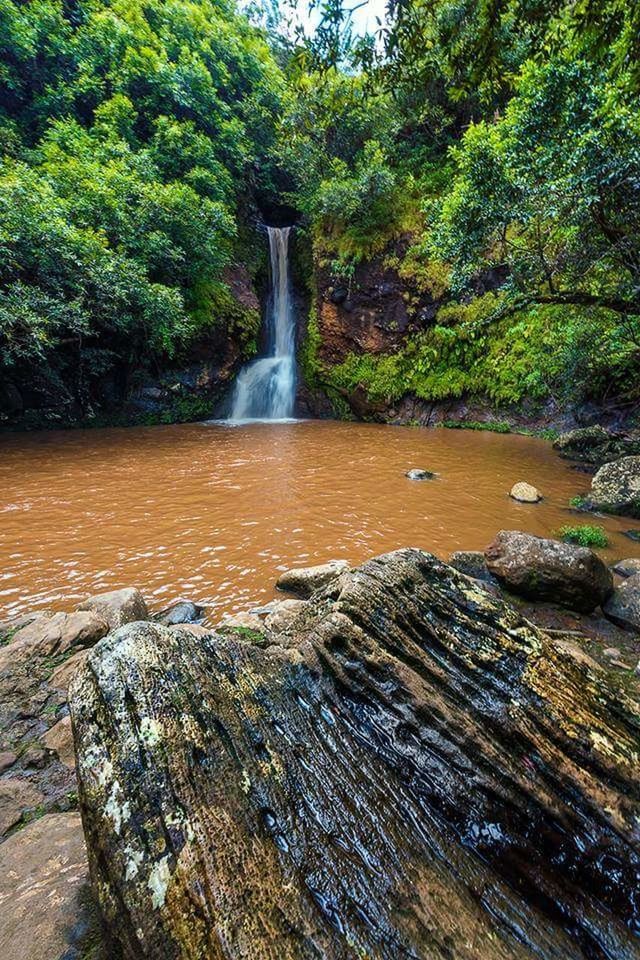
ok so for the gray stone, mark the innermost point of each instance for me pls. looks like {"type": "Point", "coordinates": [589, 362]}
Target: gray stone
{"type": "Point", "coordinates": [306, 580]}
{"type": "Point", "coordinates": [283, 615]}
{"type": "Point", "coordinates": [118, 606]}
{"type": "Point", "coordinates": [623, 606]}
{"type": "Point", "coordinates": [628, 567]}
{"type": "Point", "coordinates": [182, 611]}
{"type": "Point", "coordinates": [541, 569]}
{"type": "Point", "coordinates": [616, 487]}
{"type": "Point", "coordinates": [418, 474]}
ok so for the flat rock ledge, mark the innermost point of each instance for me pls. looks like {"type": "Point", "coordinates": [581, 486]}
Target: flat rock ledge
{"type": "Point", "coordinates": [424, 774]}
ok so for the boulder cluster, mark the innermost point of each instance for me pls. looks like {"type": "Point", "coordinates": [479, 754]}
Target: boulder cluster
{"type": "Point", "coordinates": [393, 761]}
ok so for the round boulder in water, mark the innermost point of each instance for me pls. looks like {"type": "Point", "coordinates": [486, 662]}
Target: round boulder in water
{"type": "Point", "coordinates": [525, 493]}
{"type": "Point", "coordinates": [417, 474]}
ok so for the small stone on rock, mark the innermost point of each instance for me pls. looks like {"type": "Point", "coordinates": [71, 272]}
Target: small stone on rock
{"type": "Point", "coordinates": [627, 568]}
{"type": "Point", "coordinates": [306, 580]}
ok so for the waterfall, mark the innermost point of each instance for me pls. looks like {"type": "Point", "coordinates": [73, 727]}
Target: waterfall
{"type": "Point", "coordinates": [265, 388]}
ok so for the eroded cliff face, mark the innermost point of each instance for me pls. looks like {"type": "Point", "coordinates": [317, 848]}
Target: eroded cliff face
{"type": "Point", "coordinates": [373, 312]}
{"type": "Point", "coordinates": [389, 301]}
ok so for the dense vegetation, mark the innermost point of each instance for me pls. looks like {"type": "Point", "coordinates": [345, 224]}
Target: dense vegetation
{"type": "Point", "coordinates": [502, 137]}
{"type": "Point", "coordinates": [498, 139]}
{"type": "Point", "coordinates": [130, 131]}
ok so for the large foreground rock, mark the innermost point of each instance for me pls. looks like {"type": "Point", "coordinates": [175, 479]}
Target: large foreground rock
{"type": "Point", "coordinates": [44, 878]}
{"type": "Point", "coordinates": [540, 569]}
{"type": "Point", "coordinates": [616, 487]}
{"type": "Point", "coordinates": [118, 606]}
{"type": "Point", "coordinates": [303, 581]}
{"type": "Point", "coordinates": [623, 606]}
{"type": "Point", "coordinates": [424, 774]}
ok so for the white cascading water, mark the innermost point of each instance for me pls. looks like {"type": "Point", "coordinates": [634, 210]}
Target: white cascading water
{"type": "Point", "coordinates": [265, 388]}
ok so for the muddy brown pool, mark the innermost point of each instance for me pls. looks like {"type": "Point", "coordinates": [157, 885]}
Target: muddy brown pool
{"type": "Point", "coordinates": [213, 512]}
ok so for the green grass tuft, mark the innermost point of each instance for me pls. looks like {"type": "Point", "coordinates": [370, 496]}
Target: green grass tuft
{"type": "Point", "coordinates": [585, 535]}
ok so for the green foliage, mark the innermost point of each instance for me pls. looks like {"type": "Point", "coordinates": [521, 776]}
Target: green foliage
{"type": "Point", "coordinates": [543, 353]}
{"type": "Point", "coordinates": [129, 133]}
{"type": "Point", "coordinates": [585, 535]}
{"type": "Point", "coordinates": [491, 426]}
{"type": "Point", "coordinates": [578, 502]}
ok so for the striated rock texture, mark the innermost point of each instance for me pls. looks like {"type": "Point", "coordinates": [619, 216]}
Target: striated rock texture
{"type": "Point", "coordinates": [542, 569]}
{"type": "Point", "coordinates": [419, 773]}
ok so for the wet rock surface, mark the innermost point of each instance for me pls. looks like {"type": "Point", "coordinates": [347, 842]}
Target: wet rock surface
{"type": "Point", "coordinates": [616, 487]}
{"type": "Point", "coordinates": [424, 774]}
{"type": "Point", "coordinates": [118, 606]}
{"type": "Point", "coordinates": [595, 445]}
{"type": "Point", "coordinates": [623, 606]}
{"type": "Point", "coordinates": [46, 908]}
{"type": "Point", "coordinates": [305, 580]}
{"type": "Point", "coordinates": [544, 569]}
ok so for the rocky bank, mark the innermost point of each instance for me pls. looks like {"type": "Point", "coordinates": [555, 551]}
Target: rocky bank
{"type": "Point", "coordinates": [399, 763]}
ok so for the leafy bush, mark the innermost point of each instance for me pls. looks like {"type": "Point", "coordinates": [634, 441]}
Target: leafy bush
{"type": "Point", "coordinates": [128, 134]}
{"type": "Point", "coordinates": [586, 535]}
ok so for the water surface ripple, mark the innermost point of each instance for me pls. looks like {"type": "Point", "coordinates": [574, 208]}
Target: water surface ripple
{"type": "Point", "coordinates": [213, 512]}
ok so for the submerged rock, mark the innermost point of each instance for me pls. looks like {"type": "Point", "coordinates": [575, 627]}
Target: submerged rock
{"type": "Point", "coordinates": [595, 445]}
{"type": "Point", "coordinates": [616, 487]}
{"type": "Point", "coordinates": [525, 493]}
{"type": "Point", "coordinates": [305, 580]}
{"type": "Point", "coordinates": [418, 474]}
{"type": "Point", "coordinates": [623, 606]}
{"type": "Point", "coordinates": [424, 774]}
{"type": "Point", "coordinates": [118, 606]}
{"type": "Point", "coordinates": [541, 569]}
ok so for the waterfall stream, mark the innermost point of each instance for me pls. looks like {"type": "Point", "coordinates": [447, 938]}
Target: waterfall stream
{"type": "Point", "coordinates": [265, 388]}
